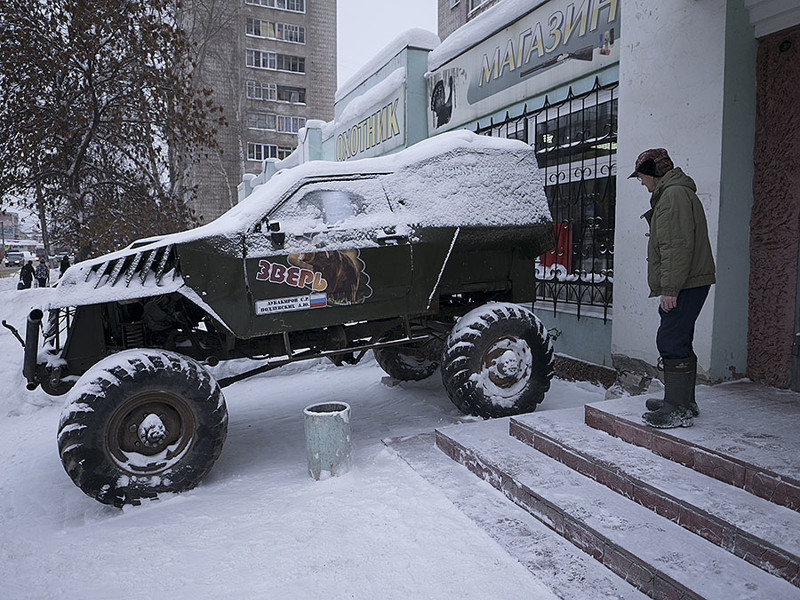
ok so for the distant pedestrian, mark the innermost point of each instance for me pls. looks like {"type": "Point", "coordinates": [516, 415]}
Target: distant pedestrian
{"type": "Point", "coordinates": [680, 271]}
{"type": "Point", "coordinates": [26, 276]}
{"type": "Point", "coordinates": [64, 265]}
{"type": "Point", "coordinates": [42, 273]}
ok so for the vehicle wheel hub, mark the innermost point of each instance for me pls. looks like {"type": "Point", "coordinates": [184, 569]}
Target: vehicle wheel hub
{"type": "Point", "coordinates": [152, 431]}
{"type": "Point", "coordinates": [506, 367]}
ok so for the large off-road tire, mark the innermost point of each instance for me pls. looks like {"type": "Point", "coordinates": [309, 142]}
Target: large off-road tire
{"type": "Point", "coordinates": [410, 362]}
{"type": "Point", "coordinates": [497, 361]}
{"type": "Point", "coordinates": [140, 423]}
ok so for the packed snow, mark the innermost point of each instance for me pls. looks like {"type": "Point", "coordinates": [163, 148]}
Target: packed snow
{"type": "Point", "coordinates": [370, 98]}
{"type": "Point", "coordinates": [428, 165]}
{"type": "Point", "coordinates": [413, 38]}
{"type": "Point", "coordinates": [258, 526]}
{"type": "Point", "coordinates": [498, 17]}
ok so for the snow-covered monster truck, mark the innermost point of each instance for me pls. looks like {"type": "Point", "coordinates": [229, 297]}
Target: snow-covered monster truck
{"type": "Point", "coordinates": [423, 257]}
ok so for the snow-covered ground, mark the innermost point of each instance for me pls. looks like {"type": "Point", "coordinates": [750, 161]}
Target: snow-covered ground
{"type": "Point", "coordinates": [258, 526]}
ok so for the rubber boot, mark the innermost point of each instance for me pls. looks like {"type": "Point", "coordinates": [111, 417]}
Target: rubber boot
{"type": "Point", "coordinates": [679, 375]}
{"type": "Point", "coordinates": [656, 403]}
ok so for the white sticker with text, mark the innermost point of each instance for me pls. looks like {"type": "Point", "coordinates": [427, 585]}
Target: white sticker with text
{"type": "Point", "coordinates": [273, 305]}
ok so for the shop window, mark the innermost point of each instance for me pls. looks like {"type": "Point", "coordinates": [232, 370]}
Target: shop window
{"type": "Point", "coordinates": [576, 148]}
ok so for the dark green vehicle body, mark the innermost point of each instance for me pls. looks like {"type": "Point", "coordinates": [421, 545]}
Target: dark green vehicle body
{"type": "Point", "coordinates": [363, 262]}
{"type": "Point", "coordinates": [423, 257]}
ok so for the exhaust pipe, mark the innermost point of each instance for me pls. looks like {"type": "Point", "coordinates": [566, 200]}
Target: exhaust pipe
{"type": "Point", "coordinates": [32, 348]}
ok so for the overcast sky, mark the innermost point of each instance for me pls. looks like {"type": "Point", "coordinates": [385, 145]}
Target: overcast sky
{"type": "Point", "coordinates": [366, 26]}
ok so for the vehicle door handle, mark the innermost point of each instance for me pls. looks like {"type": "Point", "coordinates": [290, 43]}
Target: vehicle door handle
{"type": "Point", "coordinates": [392, 239]}
{"type": "Point", "coordinates": [389, 237]}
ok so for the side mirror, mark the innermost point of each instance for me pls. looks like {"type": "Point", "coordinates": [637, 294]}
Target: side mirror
{"type": "Point", "coordinates": [278, 238]}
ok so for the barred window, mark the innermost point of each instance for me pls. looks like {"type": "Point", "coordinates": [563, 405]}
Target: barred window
{"type": "Point", "coordinates": [257, 90]}
{"type": "Point", "coordinates": [576, 148]}
{"type": "Point", "coordinates": [261, 120]}
{"type": "Point", "coordinates": [290, 124]}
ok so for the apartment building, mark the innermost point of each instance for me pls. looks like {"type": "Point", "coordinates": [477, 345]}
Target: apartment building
{"type": "Point", "coordinates": [272, 66]}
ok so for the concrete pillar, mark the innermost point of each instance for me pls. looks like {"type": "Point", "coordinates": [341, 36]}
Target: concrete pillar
{"type": "Point", "coordinates": [687, 83]}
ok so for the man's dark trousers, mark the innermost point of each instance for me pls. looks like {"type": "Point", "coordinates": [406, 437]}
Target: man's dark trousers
{"type": "Point", "coordinates": [676, 332]}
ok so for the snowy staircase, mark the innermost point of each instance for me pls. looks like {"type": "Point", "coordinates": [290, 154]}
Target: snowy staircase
{"type": "Point", "coordinates": [670, 531]}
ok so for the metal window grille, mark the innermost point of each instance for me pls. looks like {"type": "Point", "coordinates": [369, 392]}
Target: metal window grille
{"type": "Point", "coordinates": [576, 148]}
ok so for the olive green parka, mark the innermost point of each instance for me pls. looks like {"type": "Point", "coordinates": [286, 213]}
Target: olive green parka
{"type": "Point", "coordinates": [678, 251]}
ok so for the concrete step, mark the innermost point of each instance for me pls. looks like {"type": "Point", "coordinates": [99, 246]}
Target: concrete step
{"type": "Point", "coordinates": [746, 436]}
{"type": "Point", "coordinates": [569, 573]}
{"type": "Point", "coordinates": [752, 528]}
{"type": "Point", "coordinates": [655, 555]}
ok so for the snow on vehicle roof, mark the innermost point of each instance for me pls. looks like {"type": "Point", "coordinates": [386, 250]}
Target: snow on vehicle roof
{"type": "Point", "coordinates": [438, 192]}
{"type": "Point", "coordinates": [255, 206]}
{"type": "Point", "coordinates": [457, 179]}
{"type": "Point", "coordinates": [498, 17]}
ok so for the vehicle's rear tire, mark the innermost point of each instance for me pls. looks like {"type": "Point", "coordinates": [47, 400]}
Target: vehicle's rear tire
{"type": "Point", "coordinates": [140, 423]}
{"type": "Point", "coordinates": [497, 361]}
{"type": "Point", "coordinates": [410, 362]}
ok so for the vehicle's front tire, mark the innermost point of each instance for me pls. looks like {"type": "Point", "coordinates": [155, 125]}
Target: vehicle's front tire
{"type": "Point", "coordinates": [139, 423]}
{"type": "Point", "coordinates": [497, 361]}
{"type": "Point", "coordinates": [410, 362]}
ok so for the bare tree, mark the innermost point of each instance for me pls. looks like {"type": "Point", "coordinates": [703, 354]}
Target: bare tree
{"type": "Point", "coordinates": [95, 98]}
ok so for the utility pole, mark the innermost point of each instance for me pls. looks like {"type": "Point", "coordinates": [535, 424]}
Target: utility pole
{"type": "Point", "coordinates": [40, 207]}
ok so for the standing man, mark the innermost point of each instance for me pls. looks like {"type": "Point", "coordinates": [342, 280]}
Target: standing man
{"type": "Point", "coordinates": [680, 271]}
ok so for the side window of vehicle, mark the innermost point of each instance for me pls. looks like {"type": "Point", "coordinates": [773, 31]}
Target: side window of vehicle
{"type": "Point", "coordinates": [334, 207]}
{"type": "Point", "coordinates": [329, 214]}
{"type": "Point", "coordinates": [333, 203]}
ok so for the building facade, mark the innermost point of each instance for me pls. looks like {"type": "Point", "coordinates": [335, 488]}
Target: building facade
{"type": "Point", "coordinates": [271, 65]}
{"type": "Point", "coordinates": [590, 85]}
{"type": "Point", "coordinates": [452, 14]}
